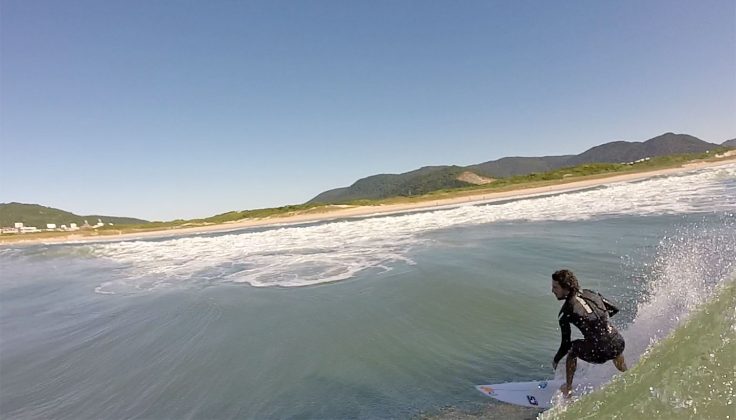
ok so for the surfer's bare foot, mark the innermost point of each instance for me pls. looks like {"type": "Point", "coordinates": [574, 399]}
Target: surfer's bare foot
{"type": "Point", "coordinates": [620, 363]}
{"type": "Point", "coordinates": [566, 391]}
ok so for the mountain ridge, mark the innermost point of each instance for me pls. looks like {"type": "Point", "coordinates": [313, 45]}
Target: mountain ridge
{"type": "Point", "coordinates": [419, 181]}
{"type": "Point", "coordinates": [416, 182]}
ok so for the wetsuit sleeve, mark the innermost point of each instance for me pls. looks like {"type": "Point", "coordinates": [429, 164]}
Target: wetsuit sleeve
{"type": "Point", "coordinates": [565, 332]}
{"type": "Point", "coordinates": [610, 307]}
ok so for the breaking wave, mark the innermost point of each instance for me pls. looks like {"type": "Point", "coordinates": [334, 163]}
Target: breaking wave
{"type": "Point", "coordinates": [683, 336]}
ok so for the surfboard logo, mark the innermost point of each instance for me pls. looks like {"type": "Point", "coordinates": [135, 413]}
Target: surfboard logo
{"type": "Point", "coordinates": [532, 400]}
{"type": "Point", "coordinates": [488, 390]}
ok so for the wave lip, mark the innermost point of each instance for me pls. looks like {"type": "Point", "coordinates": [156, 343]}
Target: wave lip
{"type": "Point", "coordinates": [683, 336]}
{"type": "Point", "coordinates": [688, 375]}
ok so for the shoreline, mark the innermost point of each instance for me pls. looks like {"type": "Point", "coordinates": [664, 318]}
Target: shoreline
{"type": "Point", "coordinates": [379, 210]}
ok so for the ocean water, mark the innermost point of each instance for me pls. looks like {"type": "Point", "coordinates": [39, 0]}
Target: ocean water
{"type": "Point", "coordinates": [394, 316]}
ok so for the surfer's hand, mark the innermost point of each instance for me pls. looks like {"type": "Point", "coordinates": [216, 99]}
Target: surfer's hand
{"type": "Point", "coordinates": [554, 365]}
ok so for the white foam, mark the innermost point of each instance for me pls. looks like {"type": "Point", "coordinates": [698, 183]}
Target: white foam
{"type": "Point", "coordinates": [306, 255]}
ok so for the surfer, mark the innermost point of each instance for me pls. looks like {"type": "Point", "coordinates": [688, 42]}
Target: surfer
{"type": "Point", "coordinates": [589, 312]}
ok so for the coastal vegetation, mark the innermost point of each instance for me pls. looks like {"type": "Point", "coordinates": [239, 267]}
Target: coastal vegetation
{"type": "Point", "coordinates": [419, 193]}
{"type": "Point", "coordinates": [434, 178]}
{"type": "Point", "coordinates": [591, 169]}
{"type": "Point", "coordinates": [555, 177]}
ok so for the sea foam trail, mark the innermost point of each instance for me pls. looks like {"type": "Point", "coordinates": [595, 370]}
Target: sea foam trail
{"type": "Point", "coordinates": [306, 255]}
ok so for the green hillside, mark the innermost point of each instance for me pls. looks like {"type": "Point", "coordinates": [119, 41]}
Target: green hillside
{"type": "Point", "coordinates": [512, 166]}
{"type": "Point", "coordinates": [435, 178]}
{"type": "Point", "coordinates": [624, 151]}
{"type": "Point", "coordinates": [39, 216]}
{"type": "Point", "coordinates": [419, 182]}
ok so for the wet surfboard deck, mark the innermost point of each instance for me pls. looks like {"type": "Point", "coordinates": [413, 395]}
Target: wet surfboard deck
{"type": "Point", "coordinates": [537, 394]}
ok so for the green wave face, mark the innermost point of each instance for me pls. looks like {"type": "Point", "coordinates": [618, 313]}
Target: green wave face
{"type": "Point", "coordinates": [689, 375]}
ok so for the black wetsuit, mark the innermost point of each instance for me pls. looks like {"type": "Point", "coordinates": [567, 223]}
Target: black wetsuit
{"type": "Point", "coordinates": [589, 311]}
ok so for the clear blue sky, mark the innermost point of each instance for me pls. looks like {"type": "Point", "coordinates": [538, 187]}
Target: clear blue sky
{"type": "Point", "coordinates": [182, 109]}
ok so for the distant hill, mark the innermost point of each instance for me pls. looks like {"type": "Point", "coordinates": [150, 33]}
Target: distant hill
{"type": "Point", "coordinates": [510, 166]}
{"type": "Point", "coordinates": [420, 181]}
{"type": "Point", "coordinates": [434, 178]}
{"type": "Point", "coordinates": [39, 216]}
{"type": "Point", "coordinates": [729, 143]}
{"type": "Point", "coordinates": [624, 151]}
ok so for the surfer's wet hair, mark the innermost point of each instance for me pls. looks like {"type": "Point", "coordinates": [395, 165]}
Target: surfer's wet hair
{"type": "Point", "coordinates": [566, 279]}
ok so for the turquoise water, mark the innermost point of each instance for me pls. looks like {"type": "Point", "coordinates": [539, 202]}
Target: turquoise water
{"type": "Point", "coordinates": [387, 317]}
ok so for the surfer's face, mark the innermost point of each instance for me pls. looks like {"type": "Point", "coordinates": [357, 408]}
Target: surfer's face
{"type": "Point", "coordinates": [559, 291]}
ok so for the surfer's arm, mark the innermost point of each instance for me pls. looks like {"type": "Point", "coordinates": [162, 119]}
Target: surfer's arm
{"type": "Point", "coordinates": [610, 307]}
{"type": "Point", "coordinates": [565, 343]}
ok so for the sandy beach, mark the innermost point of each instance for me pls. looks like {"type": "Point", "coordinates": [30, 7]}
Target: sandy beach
{"type": "Point", "coordinates": [342, 212]}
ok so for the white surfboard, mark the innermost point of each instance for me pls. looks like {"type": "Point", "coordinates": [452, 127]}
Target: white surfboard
{"type": "Point", "coordinates": [538, 394]}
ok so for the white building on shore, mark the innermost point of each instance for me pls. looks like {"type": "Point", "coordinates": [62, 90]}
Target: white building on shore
{"type": "Point", "coordinates": [20, 227]}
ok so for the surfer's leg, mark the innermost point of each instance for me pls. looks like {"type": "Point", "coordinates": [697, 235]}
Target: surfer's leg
{"type": "Point", "coordinates": [618, 346]}
{"type": "Point", "coordinates": [571, 364]}
{"type": "Point", "coordinates": [578, 348]}
{"type": "Point", "coordinates": [620, 363]}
